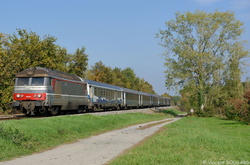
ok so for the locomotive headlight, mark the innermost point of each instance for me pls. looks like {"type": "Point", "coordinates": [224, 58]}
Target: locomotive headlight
{"type": "Point", "coordinates": [39, 95]}
{"type": "Point", "coordinates": [18, 95]}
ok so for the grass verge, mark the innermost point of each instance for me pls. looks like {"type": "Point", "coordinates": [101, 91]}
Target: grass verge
{"type": "Point", "coordinates": [194, 141]}
{"type": "Point", "coordinates": [26, 136]}
{"type": "Point", "coordinates": [172, 112]}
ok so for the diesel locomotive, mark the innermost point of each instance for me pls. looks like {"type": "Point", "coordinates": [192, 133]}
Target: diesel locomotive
{"type": "Point", "coordinates": [44, 91]}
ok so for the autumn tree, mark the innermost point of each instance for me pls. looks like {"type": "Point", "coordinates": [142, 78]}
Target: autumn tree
{"type": "Point", "coordinates": [30, 50]}
{"type": "Point", "coordinates": [176, 100]}
{"type": "Point", "coordinates": [145, 86]}
{"type": "Point", "coordinates": [22, 50]}
{"type": "Point", "coordinates": [124, 78]}
{"type": "Point", "coordinates": [119, 78]}
{"type": "Point", "coordinates": [78, 62]}
{"type": "Point", "coordinates": [6, 64]}
{"type": "Point", "coordinates": [101, 73]}
{"type": "Point", "coordinates": [202, 50]}
{"type": "Point", "coordinates": [131, 80]}
{"type": "Point", "coordinates": [247, 89]}
{"type": "Point", "coordinates": [166, 95]}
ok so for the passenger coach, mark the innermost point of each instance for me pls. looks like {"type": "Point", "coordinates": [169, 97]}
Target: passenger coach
{"type": "Point", "coordinates": [104, 96]}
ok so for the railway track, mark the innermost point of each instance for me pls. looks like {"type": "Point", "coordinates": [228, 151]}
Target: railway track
{"type": "Point", "coordinates": [98, 113]}
{"type": "Point", "coordinates": [13, 117]}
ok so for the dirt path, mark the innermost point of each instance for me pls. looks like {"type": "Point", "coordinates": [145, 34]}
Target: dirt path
{"type": "Point", "coordinates": [95, 150]}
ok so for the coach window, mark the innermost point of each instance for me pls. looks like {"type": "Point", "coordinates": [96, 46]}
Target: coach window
{"type": "Point", "coordinates": [101, 92]}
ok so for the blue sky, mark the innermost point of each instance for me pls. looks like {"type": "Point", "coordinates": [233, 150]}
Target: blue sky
{"type": "Point", "coordinates": [120, 33]}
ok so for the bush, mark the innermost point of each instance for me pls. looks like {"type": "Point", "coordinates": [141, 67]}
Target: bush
{"type": "Point", "coordinates": [238, 109]}
{"type": "Point", "coordinates": [172, 112]}
{"type": "Point", "coordinates": [207, 112]}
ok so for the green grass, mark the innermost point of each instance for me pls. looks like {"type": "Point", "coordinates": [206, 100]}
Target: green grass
{"type": "Point", "coordinates": [172, 112]}
{"type": "Point", "coordinates": [193, 141]}
{"type": "Point", "coordinates": [26, 136]}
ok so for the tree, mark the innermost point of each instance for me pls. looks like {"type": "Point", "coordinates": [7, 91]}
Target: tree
{"type": "Point", "coordinates": [29, 50]}
{"type": "Point", "coordinates": [123, 78]}
{"type": "Point", "coordinates": [130, 80]}
{"type": "Point", "coordinates": [176, 100]}
{"type": "Point", "coordinates": [166, 95]}
{"type": "Point", "coordinates": [118, 77]}
{"type": "Point", "coordinates": [78, 62]}
{"type": "Point", "coordinates": [202, 50]}
{"type": "Point", "coordinates": [7, 66]}
{"type": "Point", "coordinates": [23, 50]}
{"type": "Point", "coordinates": [100, 72]}
{"type": "Point", "coordinates": [233, 84]}
{"type": "Point", "coordinates": [144, 86]}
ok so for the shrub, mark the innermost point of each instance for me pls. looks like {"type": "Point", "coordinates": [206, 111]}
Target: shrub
{"type": "Point", "coordinates": [172, 112]}
{"type": "Point", "coordinates": [207, 112]}
{"type": "Point", "coordinates": [238, 109]}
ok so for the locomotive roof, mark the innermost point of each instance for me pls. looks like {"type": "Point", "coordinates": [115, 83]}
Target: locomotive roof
{"type": "Point", "coordinates": [45, 72]}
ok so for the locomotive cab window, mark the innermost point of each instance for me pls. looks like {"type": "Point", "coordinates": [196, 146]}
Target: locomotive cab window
{"type": "Point", "coordinates": [37, 81]}
{"type": "Point", "coordinates": [22, 81]}
{"type": "Point", "coordinates": [33, 81]}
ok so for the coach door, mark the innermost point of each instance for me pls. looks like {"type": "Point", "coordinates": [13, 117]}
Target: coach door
{"type": "Point", "coordinates": [124, 98]}
{"type": "Point", "coordinates": [91, 94]}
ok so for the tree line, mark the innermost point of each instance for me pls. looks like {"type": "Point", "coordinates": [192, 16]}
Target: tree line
{"type": "Point", "coordinates": [205, 57]}
{"type": "Point", "coordinates": [25, 49]}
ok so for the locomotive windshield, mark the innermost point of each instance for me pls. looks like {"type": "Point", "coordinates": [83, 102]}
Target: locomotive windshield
{"type": "Point", "coordinates": [37, 81]}
{"type": "Point", "coordinates": [31, 81]}
{"type": "Point", "coordinates": [22, 81]}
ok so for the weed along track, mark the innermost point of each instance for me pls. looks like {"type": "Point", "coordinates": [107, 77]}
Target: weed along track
{"type": "Point", "coordinates": [98, 149]}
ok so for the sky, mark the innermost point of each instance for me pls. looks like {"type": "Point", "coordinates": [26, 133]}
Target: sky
{"type": "Point", "coordinates": [120, 33]}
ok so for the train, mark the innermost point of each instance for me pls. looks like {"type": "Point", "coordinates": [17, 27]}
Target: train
{"type": "Point", "coordinates": [40, 91]}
